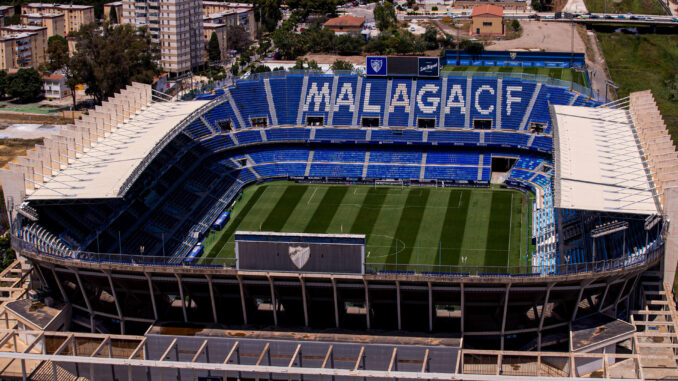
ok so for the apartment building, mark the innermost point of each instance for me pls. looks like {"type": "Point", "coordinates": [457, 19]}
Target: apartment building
{"type": "Point", "coordinates": [75, 15]}
{"type": "Point", "coordinates": [5, 12]}
{"type": "Point", "coordinates": [54, 22]}
{"type": "Point", "coordinates": [22, 46]}
{"type": "Point", "coordinates": [222, 36]}
{"type": "Point", "coordinates": [117, 5]}
{"type": "Point", "coordinates": [175, 27]}
{"type": "Point", "coordinates": [242, 14]}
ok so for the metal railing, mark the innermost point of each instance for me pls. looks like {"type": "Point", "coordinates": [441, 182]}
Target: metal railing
{"type": "Point", "coordinates": [653, 254]}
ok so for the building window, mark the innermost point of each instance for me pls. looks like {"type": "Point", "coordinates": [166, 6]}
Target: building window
{"type": "Point", "coordinates": [486, 23]}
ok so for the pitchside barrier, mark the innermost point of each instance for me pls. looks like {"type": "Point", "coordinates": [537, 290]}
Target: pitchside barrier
{"type": "Point", "coordinates": [300, 252]}
{"type": "Point", "coordinates": [389, 182]}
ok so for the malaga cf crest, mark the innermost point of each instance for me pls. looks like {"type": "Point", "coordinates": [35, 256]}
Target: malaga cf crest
{"type": "Point", "coordinates": [299, 255]}
{"type": "Point", "coordinates": [376, 65]}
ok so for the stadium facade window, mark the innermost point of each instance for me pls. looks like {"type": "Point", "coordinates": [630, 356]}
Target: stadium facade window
{"type": "Point", "coordinates": [259, 122]}
{"type": "Point", "coordinates": [426, 122]}
{"type": "Point", "coordinates": [482, 124]}
{"type": "Point", "coordinates": [315, 121]}
{"type": "Point", "coordinates": [242, 162]}
{"type": "Point", "coordinates": [355, 308]}
{"type": "Point", "coordinates": [537, 127]}
{"type": "Point", "coordinates": [370, 122]}
{"type": "Point", "coordinates": [224, 125]}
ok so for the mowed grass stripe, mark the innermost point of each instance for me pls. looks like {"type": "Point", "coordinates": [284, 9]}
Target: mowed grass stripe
{"type": "Point", "coordinates": [426, 247]}
{"type": "Point", "coordinates": [474, 242]}
{"type": "Point", "coordinates": [283, 209]}
{"type": "Point", "coordinates": [408, 226]}
{"type": "Point", "coordinates": [453, 228]}
{"type": "Point", "coordinates": [499, 229]}
{"type": "Point", "coordinates": [304, 210]}
{"type": "Point", "coordinates": [324, 213]}
{"type": "Point", "coordinates": [234, 223]}
{"type": "Point", "coordinates": [369, 211]}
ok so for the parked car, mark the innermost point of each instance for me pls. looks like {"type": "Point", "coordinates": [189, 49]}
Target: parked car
{"type": "Point", "coordinates": [608, 17]}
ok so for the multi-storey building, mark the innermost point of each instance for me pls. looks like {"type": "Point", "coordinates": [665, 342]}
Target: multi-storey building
{"type": "Point", "coordinates": [76, 15]}
{"type": "Point", "coordinates": [222, 36]}
{"type": "Point", "coordinates": [117, 5]}
{"type": "Point", "coordinates": [241, 14]}
{"type": "Point", "coordinates": [175, 27]}
{"type": "Point", "coordinates": [54, 22]}
{"type": "Point", "coordinates": [22, 46]}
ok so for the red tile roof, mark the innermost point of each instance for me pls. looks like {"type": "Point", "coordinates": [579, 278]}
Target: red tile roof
{"type": "Point", "coordinates": [346, 20]}
{"type": "Point", "coordinates": [487, 9]}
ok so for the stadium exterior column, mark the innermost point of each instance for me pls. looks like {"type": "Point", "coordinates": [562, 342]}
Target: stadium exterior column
{"type": "Point", "coordinates": [543, 314]}
{"type": "Point", "coordinates": [367, 303]}
{"type": "Point", "coordinates": [152, 295]}
{"type": "Point", "coordinates": [430, 307]}
{"type": "Point", "coordinates": [398, 304]}
{"type": "Point", "coordinates": [84, 296]}
{"type": "Point", "coordinates": [463, 310]}
{"type": "Point", "coordinates": [58, 282]}
{"type": "Point", "coordinates": [503, 319]}
{"type": "Point", "coordinates": [273, 303]}
{"type": "Point", "coordinates": [181, 295]}
{"type": "Point", "coordinates": [214, 306]}
{"type": "Point", "coordinates": [336, 306]}
{"type": "Point", "coordinates": [242, 300]}
{"type": "Point", "coordinates": [303, 299]}
{"type": "Point", "coordinates": [37, 269]}
{"type": "Point", "coordinates": [602, 299]}
{"type": "Point", "coordinates": [115, 300]}
{"type": "Point", "coordinates": [582, 287]}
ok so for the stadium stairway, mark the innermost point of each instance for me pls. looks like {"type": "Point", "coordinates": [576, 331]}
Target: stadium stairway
{"type": "Point", "coordinates": [656, 336]}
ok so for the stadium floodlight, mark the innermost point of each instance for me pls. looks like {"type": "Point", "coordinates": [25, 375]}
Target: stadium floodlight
{"type": "Point", "coordinates": [609, 228]}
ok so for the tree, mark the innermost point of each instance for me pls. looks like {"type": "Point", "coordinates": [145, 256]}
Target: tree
{"type": "Point", "coordinates": [537, 5]}
{"type": "Point", "coordinates": [25, 85]}
{"type": "Point", "coordinates": [237, 38]}
{"type": "Point", "coordinates": [515, 25]}
{"type": "Point", "coordinates": [213, 49]}
{"type": "Point", "coordinates": [342, 65]}
{"type": "Point", "coordinates": [471, 47]}
{"type": "Point", "coordinates": [430, 38]}
{"type": "Point", "coordinates": [113, 16]}
{"type": "Point", "coordinates": [308, 7]}
{"type": "Point", "coordinates": [434, 8]}
{"type": "Point", "coordinates": [57, 52]}
{"type": "Point", "coordinates": [235, 68]}
{"type": "Point", "coordinates": [110, 57]}
{"type": "Point", "coordinates": [347, 45]}
{"type": "Point", "coordinates": [4, 82]}
{"type": "Point", "coordinates": [267, 12]}
{"type": "Point", "coordinates": [261, 69]}
{"type": "Point", "coordinates": [384, 15]}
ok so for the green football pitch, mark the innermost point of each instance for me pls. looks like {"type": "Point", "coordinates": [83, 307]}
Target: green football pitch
{"type": "Point", "coordinates": [410, 225]}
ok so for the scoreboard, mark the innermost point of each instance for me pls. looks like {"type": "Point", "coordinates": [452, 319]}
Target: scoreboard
{"type": "Point", "coordinates": [300, 252]}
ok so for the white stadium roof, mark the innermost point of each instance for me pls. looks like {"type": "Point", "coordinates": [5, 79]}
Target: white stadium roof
{"type": "Point", "coordinates": [103, 170]}
{"type": "Point", "coordinates": [599, 165]}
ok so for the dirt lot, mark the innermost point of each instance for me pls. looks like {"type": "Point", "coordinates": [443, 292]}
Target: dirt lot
{"type": "Point", "coordinates": [11, 148]}
{"type": "Point", "coordinates": [544, 36]}
{"type": "Point", "coordinates": [19, 117]}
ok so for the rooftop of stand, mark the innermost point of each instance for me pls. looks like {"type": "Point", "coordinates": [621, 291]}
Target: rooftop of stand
{"type": "Point", "coordinates": [599, 165]}
{"type": "Point", "coordinates": [102, 170]}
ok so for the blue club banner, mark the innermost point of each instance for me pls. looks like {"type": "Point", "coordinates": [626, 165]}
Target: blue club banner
{"type": "Point", "coordinates": [376, 65]}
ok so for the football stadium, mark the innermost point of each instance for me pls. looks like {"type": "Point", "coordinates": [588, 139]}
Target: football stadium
{"type": "Point", "coordinates": [487, 212]}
